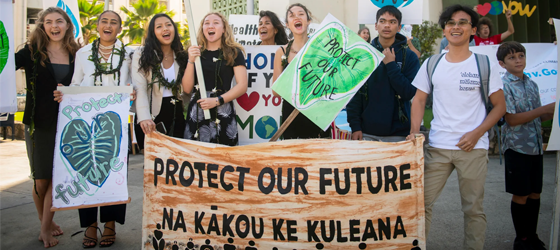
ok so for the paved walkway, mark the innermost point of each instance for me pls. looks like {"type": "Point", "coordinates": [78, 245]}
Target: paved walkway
{"type": "Point", "coordinates": [19, 226]}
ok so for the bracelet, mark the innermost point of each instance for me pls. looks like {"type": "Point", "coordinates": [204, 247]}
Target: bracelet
{"type": "Point", "coordinates": [190, 61]}
{"type": "Point", "coordinates": [221, 100]}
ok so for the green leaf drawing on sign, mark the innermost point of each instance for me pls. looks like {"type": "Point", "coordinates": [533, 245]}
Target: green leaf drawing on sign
{"type": "Point", "coordinates": [327, 67]}
{"type": "Point", "coordinates": [4, 47]}
{"type": "Point", "coordinates": [327, 72]}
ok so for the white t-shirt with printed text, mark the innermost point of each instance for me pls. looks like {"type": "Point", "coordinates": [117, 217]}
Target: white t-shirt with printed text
{"type": "Point", "coordinates": [458, 107]}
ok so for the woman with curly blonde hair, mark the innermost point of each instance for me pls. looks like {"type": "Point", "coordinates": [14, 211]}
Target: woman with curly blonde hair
{"type": "Point", "coordinates": [222, 59]}
{"type": "Point", "coordinates": [48, 60]}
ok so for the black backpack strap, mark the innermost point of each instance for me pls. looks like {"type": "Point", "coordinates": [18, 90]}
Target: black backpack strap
{"type": "Point", "coordinates": [483, 65]}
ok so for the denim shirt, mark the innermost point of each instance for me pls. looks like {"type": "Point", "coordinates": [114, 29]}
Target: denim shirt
{"type": "Point", "coordinates": [522, 95]}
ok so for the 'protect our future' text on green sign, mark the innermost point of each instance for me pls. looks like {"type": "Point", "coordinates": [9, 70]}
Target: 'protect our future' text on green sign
{"type": "Point", "coordinates": [327, 72]}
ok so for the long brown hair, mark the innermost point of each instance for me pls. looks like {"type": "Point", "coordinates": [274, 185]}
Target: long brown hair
{"type": "Point", "coordinates": [229, 46]}
{"type": "Point", "coordinates": [38, 39]}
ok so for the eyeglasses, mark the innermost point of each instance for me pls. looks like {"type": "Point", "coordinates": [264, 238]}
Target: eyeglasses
{"type": "Point", "coordinates": [461, 23]}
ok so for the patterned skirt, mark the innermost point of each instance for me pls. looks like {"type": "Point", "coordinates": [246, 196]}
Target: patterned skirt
{"type": "Point", "coordinates": [221, 128]}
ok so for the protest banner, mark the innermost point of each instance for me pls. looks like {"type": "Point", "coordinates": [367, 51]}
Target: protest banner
{"type": "Point", "coordinates": [327, 72]}
{"type": "Point", "coordinates": [294, 194]}
{"type": "Point", "coordinates": [8, 99]}
{"type": "Point", "coordinates": [542, 64]}
{"type": "Point", "coordinates": [71, 8]}
{"type": "Point", "coordinates": [411, 10]}
{"type": "Point", "coordinates": [258, 112]}
{"type": "Point", "coordinates": [245, 29]}
{"type": "Point", "coordinates": [554, 144]}
{"type": "Point", "coordinates": [91, 149]}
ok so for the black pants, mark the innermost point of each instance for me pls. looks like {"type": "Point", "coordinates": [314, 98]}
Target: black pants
{"type": "Point", "coordinates": [168, 111]}
{"type": "Point", "coordinates": [116, 213]}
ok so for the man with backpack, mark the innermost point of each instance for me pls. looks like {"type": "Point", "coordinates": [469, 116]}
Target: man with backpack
{"type": "Point", "coordinates": [464, 88]}
{"type": "Point", "coordinates": [380, 111]}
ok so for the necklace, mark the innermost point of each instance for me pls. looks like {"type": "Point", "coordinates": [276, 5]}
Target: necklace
{"type": "Point", "coordinates": [167, 56]}
{"type": "Point", "coordinates": [101, 69]}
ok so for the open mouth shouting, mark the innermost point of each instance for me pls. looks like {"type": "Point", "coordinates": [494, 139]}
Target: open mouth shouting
{"type": "Point", "coordinates": [166, 35]}
{"type": "Point", "coordinates": [211, 34]}
{"type": "Point", "coordinates": [263, 32]}
{"type": "Point", "coordinates": [56, 33]}
{"type": "Point", "coordinates": [108, 32]}
{"type": "Point", "coordinates": [298, 24]}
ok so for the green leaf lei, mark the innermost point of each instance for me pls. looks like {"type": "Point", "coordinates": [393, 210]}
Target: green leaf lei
{"type": "Point", "coordinates": [157, 77]}
{"type": "Point", "coordinates": [101, 68]}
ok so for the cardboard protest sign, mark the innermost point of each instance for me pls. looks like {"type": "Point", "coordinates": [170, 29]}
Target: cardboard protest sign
{"type": "Point", "coordinates": [91, 149]}
{"type": "Point", "coordinates": [8, 99]}
{"type": "Point", "coordinates": [245, 29]}
{"type": "Point", "coordinates": [411, 10]}
{"type": "Point", "coordinates": [258, 112]}
{"type": "Point", "coordinates": [542, 66]}
{"type": "Point", "coordinates": [327, 72]}
{"type": "Point", "coordinates": [294, 194]}
{"type": "Point", "coordinates": [554, 141]}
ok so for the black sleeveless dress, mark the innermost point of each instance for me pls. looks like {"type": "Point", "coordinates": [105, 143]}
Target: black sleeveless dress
{"type": "Point", "coordinates": [301, 127]}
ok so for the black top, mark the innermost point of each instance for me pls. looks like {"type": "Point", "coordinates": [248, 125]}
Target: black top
{"type": "Point", "coordinates": [46, 111]}
{"type": "Point", "coordinates": [209, 70]}
{"type": "Point", "coordinates": [60, 71]}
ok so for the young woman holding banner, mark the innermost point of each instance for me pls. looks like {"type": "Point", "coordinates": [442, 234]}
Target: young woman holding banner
{"type": "Point", "coordinates": [271, 30]}
{"type": "Point", "coordinates": [222, 59]}
{"type": "Point", "coordinates": [298, 19]}
{"type": "Point", "coordinates": [156, 74]}
{"type": "Point", "coordinates": [105, 62]}
{"type": "Point", "coordinates": [48, 60]}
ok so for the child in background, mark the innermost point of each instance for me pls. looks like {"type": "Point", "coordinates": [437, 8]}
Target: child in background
{"type": "Point", "coordinates": [522, 143]}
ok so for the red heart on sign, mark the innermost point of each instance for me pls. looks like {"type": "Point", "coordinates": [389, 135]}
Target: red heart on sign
{"type": "Point", "coordinates": [484, 9]}
{"type": "Point", "coordinates": [248, 102]}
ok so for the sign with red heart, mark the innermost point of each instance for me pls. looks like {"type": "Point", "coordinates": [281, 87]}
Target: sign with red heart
{"type": "Point", "coordinates": [258, 112]}
{"type": "Point", "coordinates": [483, 9]}
{"type": "Point", "coordinates": [248, 102]}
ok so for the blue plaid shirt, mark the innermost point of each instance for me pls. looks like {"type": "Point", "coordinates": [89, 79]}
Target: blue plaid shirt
{"type": "Point", "coordinates": [522, 95]}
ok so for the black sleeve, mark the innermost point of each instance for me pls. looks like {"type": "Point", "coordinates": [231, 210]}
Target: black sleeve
{"type": "Point", "coordinates": [23, 57]}
{"type": "Point", "coordinates": [240, 59]}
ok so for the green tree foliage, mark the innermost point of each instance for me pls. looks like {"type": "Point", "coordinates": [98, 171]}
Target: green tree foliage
{"type": "Point", "coordinates": [185, 36]}
{"type": "Point", "coordinates": [427, 33]}
{"type": "Point", "coordinates": [88, 18]}
{"type": "Point", "coordinates": [137, 20]}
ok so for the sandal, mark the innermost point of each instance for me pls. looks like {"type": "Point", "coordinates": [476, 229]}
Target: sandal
{"type": "Point", "coordinates": [109, 242]}
{"type": "Point", "coordinates": [88, 240]}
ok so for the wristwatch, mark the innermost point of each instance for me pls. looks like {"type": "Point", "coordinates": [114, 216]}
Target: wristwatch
{"type": "Point", "coordinates": [221, 100]}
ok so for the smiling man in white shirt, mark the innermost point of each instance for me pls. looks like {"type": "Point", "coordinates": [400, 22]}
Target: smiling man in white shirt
{"type": "Point", "coordinates": [458, 135]}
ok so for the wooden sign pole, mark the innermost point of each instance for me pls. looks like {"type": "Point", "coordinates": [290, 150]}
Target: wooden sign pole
{"type": "Point", "coordinates": [285, 125]}
{"type": "Point", "coordinates": [197, 64]}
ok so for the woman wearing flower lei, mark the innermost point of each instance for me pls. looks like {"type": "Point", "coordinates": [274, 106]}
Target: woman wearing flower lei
{"type": "Point", "coordinates": [48, 60]}
{"type": "Point", "coordinates": [156, 73]}
{"type": "Point", "coordinates": [105, 62]}
{"type": "Point", "coordinates": [298, 18]}
{"type": "Point", "coordinates": [222, 59]}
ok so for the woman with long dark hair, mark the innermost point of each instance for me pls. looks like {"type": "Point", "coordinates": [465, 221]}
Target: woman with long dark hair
{"type": "Point", "coordinates": [298, 18]}
{"type": "Point", "coordinates": [222, 59]}
{"type": "Point", "coordinates": [271, 30]}
{"type": "Point", "coordinates": [48, 60]}
{"type": "Point", "coordinates": [156, 74]}
{"type": "Point", "coordinates": [105, 62]}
